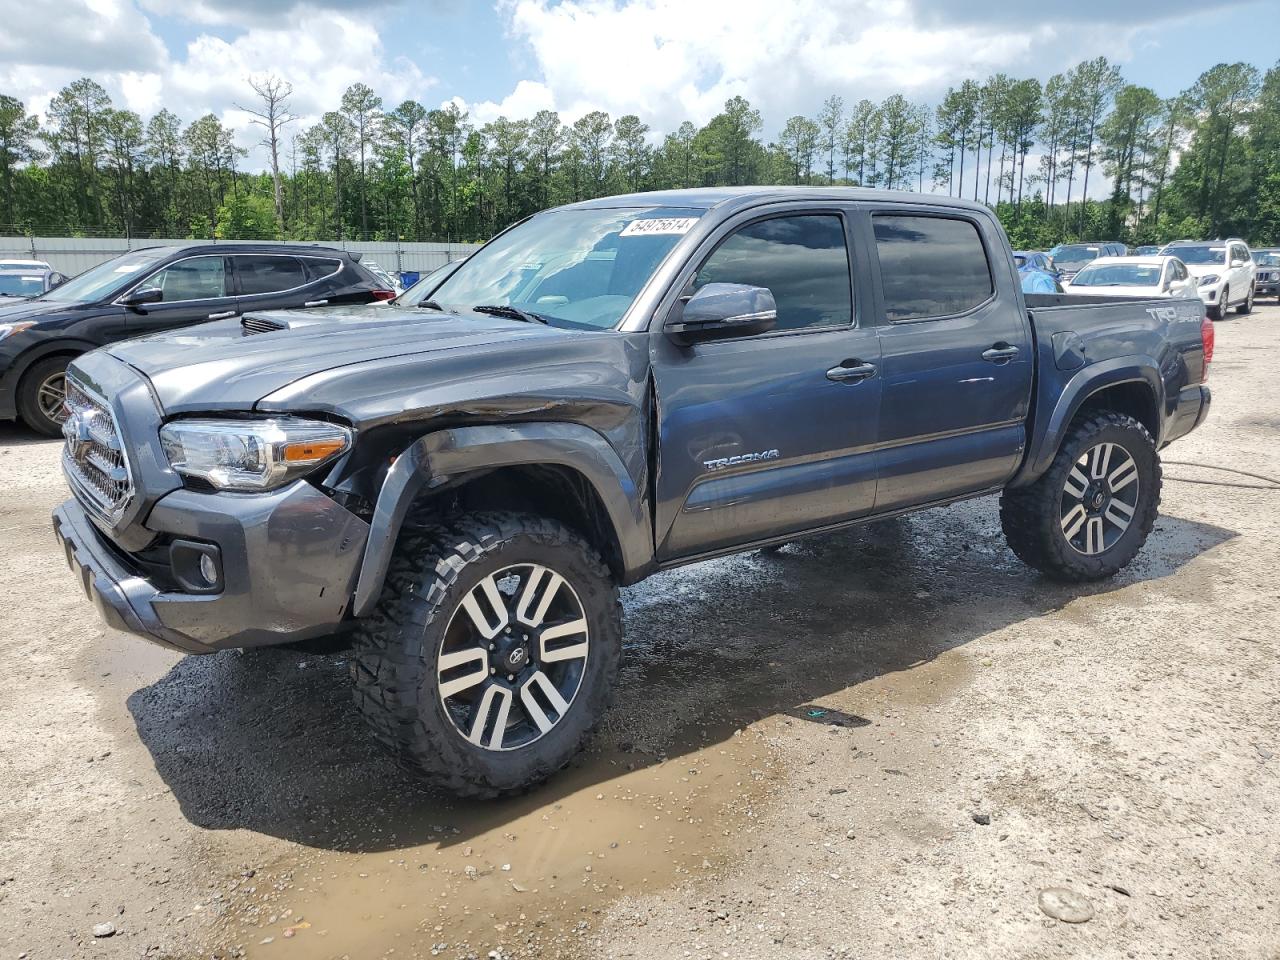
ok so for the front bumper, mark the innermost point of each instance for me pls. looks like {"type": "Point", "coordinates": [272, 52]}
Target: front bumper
{"type": "Point", "coordinates": [1266, 288]}
{"type": "Point", "coordinates": [289, 560]}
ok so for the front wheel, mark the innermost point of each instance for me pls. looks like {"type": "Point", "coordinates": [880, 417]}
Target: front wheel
{"type": "Point", "coordinates": [492, 653]}
{"type": "Point", "coordinates": [41, 393]}
{"type": "Point", "coordinates": [1090, 513]}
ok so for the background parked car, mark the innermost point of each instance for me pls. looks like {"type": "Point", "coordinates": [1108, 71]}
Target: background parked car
{"type": "Point", "coordinates": [390, 279]}
{"type": "Point", "coordinates": [1224, 270]}
{"type": "Point", "coordinates": [1070, 258]}
{"type": "Point", "coordinates": [27, 278]}
{"type": "Point", "coordinates": [1034, 260]}
{"type": "Point", "coordinates": [1136, 277]}
{"type": "Point", "coordinates": [153, 289]}
{"type": "Point", "coordinates": [1267, 280]}
{"type": "Point", "coordinates": [1037, 272]}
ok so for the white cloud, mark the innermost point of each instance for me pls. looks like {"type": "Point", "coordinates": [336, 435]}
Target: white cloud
{"type": "Point", "coordinates": [671, 60]}
{"type": "Point", "coordinates": [321, 51]}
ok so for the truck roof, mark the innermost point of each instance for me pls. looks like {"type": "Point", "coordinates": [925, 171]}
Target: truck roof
{"type": "Point", "coordinates": [707, 198]}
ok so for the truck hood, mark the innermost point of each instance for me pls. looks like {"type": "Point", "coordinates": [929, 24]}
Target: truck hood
{"type": "Point", "coordinates": [223, 366]}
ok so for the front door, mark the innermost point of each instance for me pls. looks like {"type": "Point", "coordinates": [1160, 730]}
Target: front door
{"type": "Point", "coordinates": [956, 357]}
{"type": "Point", "coordinates": [771, 434]}
{"type": "Point", "coordinates": [196, 290]}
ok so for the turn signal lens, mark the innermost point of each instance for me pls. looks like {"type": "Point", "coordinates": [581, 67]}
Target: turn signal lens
{"type": "Point", "coordinates": [312, 451]}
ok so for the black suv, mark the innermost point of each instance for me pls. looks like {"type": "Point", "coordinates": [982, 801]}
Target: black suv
{"type": "Point", "coordinates": [154, 289]}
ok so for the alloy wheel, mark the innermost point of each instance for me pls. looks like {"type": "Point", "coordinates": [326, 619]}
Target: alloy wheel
{"type": "Point", "coordinates": [51, 396]}
{"type": "Point", "coordinates": [1099, 498]}
{"type": "Point", "coordinates": [513, 657]}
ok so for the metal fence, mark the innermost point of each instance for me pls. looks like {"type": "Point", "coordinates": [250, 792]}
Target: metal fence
{"type": "Point", "coordinates": [72, 255]}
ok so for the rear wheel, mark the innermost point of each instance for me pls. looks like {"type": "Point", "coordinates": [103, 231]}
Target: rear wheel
{"type": "Point", "coordinates": [1090, 513]}
{"type": "Point", "coordinates": [492, 653]}
{"type": "Point", "coordinates": [1247, 306]}
{"type": "Point", "coordinates": [41, 394]}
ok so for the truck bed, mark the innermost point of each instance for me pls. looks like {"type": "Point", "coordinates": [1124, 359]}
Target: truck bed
{"type": "Point", "coordinates": [1110, 340]}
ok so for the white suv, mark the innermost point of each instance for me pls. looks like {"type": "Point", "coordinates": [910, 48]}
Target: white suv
{"type": "Point", "coordinates": [1224, 271]}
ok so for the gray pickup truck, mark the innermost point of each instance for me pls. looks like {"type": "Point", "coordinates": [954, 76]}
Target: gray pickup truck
{"type": "Point", "coordinates": [604, 390]}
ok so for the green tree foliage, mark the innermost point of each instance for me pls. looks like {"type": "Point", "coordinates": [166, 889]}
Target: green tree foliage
{"type": "Point", "coordinates": [247, 217]}
{"type": "Point", "coordinates": [1203, 162]}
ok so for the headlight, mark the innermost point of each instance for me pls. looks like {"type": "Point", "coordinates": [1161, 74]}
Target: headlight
{"type": "Point", "coordinates": [9, 329]}
{"type": "Point", "coordinates": [1206, 280]}
{"type": "Point", "coordinates": [251, 454]}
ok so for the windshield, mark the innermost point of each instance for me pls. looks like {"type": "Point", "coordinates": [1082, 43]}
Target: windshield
{"type": "Point", "coordinates": [105, 278]}
{"type": "Point", "coordinates": [426, 284]}
{"type": "Point", "coordinates": [21, 285]}
{"type": "Point", "coordinates": [1200, 255]}
{"type": "Point", "coordinates": [1118, 275]}
{"type": "Point", "coordinates": [1073, 254]}
{"type": "Point", "coordinates": [573, 268]}
{"type": "Point", "coordinates": [1267, 259]}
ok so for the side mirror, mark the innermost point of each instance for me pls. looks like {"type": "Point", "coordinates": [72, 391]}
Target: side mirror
{"type": "Point", "coordinates": [56, 280]}
{"type": "Point", "coordinates": [720, 311]}
{"type": "Point", "coordinates": [143, 295]}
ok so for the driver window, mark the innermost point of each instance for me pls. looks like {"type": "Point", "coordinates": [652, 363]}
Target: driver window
{"type": "Point", "coordinates": [801, 259]}
{"type": "Point", "coordinates": [200, 278]}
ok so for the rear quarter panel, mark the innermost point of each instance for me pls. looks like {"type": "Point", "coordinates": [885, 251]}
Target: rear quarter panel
{"type": "Point", "coordinates": [1086, 344]}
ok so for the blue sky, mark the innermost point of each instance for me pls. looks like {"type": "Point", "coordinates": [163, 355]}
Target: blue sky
{"type": "Point", "coordinates": [666, 60]}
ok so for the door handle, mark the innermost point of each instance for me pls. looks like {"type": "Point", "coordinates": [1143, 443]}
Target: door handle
{"type": "Point", "coordinates": [1000, 353]}
{"type": "Point", "coordinates": [851, 371]}
{"type": "Point", "coordinates": [223, 315]}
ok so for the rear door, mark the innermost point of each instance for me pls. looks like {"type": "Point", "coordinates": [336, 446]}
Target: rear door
{"type": "Point", "coordinates": [270, 281]}
{"type": "Point", "coordinates": [772, 434]}
{"type": "Point", "coordinates": [196, 290]}
{"type": "Point", "coordinates": [956, 355]}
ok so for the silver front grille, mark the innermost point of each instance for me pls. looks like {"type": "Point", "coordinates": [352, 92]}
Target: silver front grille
{"type": "Point", "coordinates": [94, 458]}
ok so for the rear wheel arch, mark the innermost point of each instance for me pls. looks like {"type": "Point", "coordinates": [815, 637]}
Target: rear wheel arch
{"type": "Point", "coordinates": [1134, 398]}
{"type": "Point", "coordinates": [1131, 386]}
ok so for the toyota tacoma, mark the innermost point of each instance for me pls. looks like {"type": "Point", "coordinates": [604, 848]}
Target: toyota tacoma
{"type": "Point", "coordinates": [604, 390]}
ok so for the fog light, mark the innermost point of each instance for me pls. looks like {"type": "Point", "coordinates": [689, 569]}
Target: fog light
{"type": "Point", "coordinates": [208, 569]}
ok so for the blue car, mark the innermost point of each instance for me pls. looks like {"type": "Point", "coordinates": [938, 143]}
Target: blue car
{"type": "Point", "coordinates": [1037, 272]}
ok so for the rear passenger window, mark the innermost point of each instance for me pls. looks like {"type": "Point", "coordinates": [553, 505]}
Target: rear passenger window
{"type": "Point", "coordinates": [269, 274]}
{"type": "Point", "coordinates": [319, 269]}
{"type": "Point", "coordinates": [802, 260]}
{"type": "Point", "coordinates": [931, 266]}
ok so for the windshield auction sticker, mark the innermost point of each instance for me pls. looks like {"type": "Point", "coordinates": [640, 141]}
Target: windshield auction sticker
{"type": "Point", "coordinates": [657, 226]}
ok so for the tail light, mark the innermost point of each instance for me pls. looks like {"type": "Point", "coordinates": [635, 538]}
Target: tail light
{"type": "Point", "coordinates": [384, 294]}
{"type": "Point", "coordinates": [1206, 340]}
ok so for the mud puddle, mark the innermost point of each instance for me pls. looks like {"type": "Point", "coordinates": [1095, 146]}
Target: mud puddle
{"type": "Point", "coordinates": [518, 876]}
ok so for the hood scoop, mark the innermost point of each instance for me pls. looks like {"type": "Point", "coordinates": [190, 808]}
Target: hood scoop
{"type": "Point", "coordinates": [251, 325]}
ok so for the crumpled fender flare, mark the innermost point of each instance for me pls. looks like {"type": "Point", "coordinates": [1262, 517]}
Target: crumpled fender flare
{"type": "Point", "coordinates": [1048, 431]}
{"type": "Point", "coordinates": [446, 454]}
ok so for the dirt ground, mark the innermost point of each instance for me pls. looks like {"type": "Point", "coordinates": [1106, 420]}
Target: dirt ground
{"type": "Point", "coordinates": [880, 744]}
